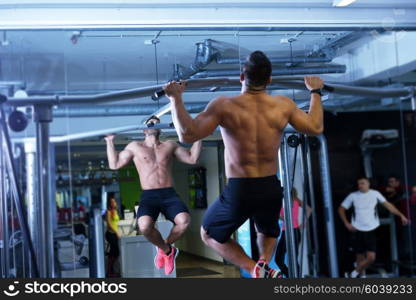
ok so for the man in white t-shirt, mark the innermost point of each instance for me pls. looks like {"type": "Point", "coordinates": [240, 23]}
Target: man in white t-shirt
{"type": "Point", "coordinates": [365, 222]}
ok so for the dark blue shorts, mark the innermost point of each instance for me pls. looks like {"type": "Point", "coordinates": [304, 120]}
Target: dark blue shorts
{"type": "Point", "coordinates": [165, 201]}
{"type": "Point", "coordinates": [243, 198]}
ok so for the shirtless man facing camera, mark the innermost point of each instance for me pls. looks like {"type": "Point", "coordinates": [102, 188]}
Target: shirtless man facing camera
{"type": "Point", "coordinates": [153, 161]}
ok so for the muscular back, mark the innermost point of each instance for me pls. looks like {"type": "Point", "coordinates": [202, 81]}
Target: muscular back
{"type": "Point", "coordinates": [251, 127]}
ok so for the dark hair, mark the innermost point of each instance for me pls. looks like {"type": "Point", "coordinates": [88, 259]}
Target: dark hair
{"type": "Point", "coordinates": [152, 118]}
{"type": "Point", "coordinates": [110, 196]}
{"type": "Point", "coordinates": [257, 69]}
{"type": "Point", "coordinates": [363, 177]}
{"type": "Point", "coordinates": [294, 193]}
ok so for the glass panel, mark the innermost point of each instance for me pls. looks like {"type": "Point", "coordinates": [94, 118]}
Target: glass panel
{"type": "Point", "coordinates": [368, 135]}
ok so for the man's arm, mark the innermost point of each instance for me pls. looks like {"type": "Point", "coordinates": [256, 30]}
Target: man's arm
{"type": "Point", "coordinates": [396, 212]}
{"type": "Point", "coordinates": [189, 156]}
{"type": "Point", "coordinates": [191, 130]}
{"type": "Point", "coordinates": [117, 161]}
{"type": "Point", "coordinates": [343, 215]}
{"type": "Point", "coordinates": [311, 123]}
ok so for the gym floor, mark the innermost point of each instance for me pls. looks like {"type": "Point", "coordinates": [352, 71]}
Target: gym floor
{"type": "Point", "coordinates": [192, 266]}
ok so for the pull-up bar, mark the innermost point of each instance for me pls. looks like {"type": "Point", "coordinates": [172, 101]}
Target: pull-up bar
{"type": "Point", "coordinates": [103, 132]}
{"type": "Point", "coordinates": [114, 130]}
{"type": "Point", "coordinates": [215, 84]}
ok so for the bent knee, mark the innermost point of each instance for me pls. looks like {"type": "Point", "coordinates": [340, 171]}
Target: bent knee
{"type": "Point", "coordinates": [184, 223]}
{"type": "Point", "coordinates": [204, 235]}
{"type": "Point", "coordinates": [145, 227]}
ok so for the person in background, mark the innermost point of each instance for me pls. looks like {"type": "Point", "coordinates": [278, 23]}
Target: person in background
{"type": "Point", "coordinates": [112, 234]}
{"type": "Point", "coordinates": [413, 217]}
{"type": "Point", "coordinates": [394, 190]}
{"type": "Point", "coordinates": [413, 196]}
{"type": "Point", "coordinates": [396, 193]}
{"type": "Point", "coordinates": [365, 221]}
{"type": "Point", "coordinates": [281, 245]}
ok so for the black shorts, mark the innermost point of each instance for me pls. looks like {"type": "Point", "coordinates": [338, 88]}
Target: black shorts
{"type": "Point", "coordinates": [112, 239]}
{"type": "Point", "coordinates": [364, 241]}
{"type": "Point", "coordinates": [165, 201]}
{"type": "Point", "coordinates": [243, 198]}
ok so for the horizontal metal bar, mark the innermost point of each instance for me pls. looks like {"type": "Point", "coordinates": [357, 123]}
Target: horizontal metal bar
{"type": "Point", "coordinates": [160, 112]}
{"type": "Point", "coordinates": [112, 96]}
{"type": "Point", "coordinates": [276, 60]}
{"type": "Point", "coordinates": [199, 83]}
{"type": "Point", "coordinates": [355, 90]}
{"type": "Point", "coordinates": [118, 110]}
{"type": "Point", "coordinates": [86, 99]}
{"type": "Point", "coordinates": [326, 69]}
{"type": "Point", "coordinates": [103, 132]}
{"type": "Point", "coordinates": [78, 4]}
{"type": "Point", "coordinates": [215, 27]}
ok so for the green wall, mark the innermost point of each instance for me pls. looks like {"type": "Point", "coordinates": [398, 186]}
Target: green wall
{"type": "Point", "coordinates": [130, 189]}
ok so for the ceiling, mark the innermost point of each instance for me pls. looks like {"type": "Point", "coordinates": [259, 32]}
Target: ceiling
{"type": "Point", "coordinates": [49, 62]}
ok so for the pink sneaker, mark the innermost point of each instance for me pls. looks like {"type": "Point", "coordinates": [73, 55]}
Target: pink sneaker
{"type": "Point", "coordinates": [262, 270]}
{"type": "Point", "coordinates": [159, 258]}
{"type": "Point", "coordinates": [170, 260]}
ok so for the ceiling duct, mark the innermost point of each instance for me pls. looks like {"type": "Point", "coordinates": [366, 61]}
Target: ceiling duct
{"type": "Point", "coordinates": [205, 54]}
{"type": "Point", "coordinates": [324, 69]}
{"type": "Point", "coordinates": [118, 110]}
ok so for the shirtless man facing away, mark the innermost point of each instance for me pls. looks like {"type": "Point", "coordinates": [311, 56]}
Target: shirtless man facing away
{"type": "Point", "coordinates": [153, 161]}
{"type": "Point", "coordinates": [251, 125]}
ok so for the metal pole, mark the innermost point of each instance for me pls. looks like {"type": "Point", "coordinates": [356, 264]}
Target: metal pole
{"type": "Point", "coordinates": [367, 153]}
{"type": "Point", "coordinates": [2, 214]}
{"type": "Point", "coordinates": [43, 116]}
{"type": "Point", "coordinates": [287, 199]}
{"type": "Point", "coordinates": [103, 132]}
{"type": "Point", "coordinates": [313, 207]}
{"type": "Point", "coordinates": [53, 220]}
{"type": "Point", "coordinates": [15, 188]}
{"type": "Point", "coordinates": [329, 210]}
{"type": "Point", "coordinates": [97, 269]}
{"type": "Point", "coordinates": [305, 234]}
{"type": "Point", "coordinates": [31, 183]}
{"type": "Point", "coordinates": [216, 83]}
{"type": "Point", "coordinates": [270, 27]}
{"type": "Point", "coordinates": [5, 217]}
{"type": "Point", "coordinates": [393, 245]}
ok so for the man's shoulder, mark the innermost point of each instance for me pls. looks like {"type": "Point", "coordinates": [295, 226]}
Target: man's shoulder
{"type": "Point", "coordinates": [220, 100]}
{"type": "Point", "coordinates": [283, 100]}
{"type": "Point", "coordinates": [134, 145]}
{"type": "Point", "coordinates": [354, 194]}
{"type": "Point", "coordinates": [375, 192]}
{"type": "Point", "coordinates": [170, 144]}
{"type": "Point", "coordinates": [372, 190]}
